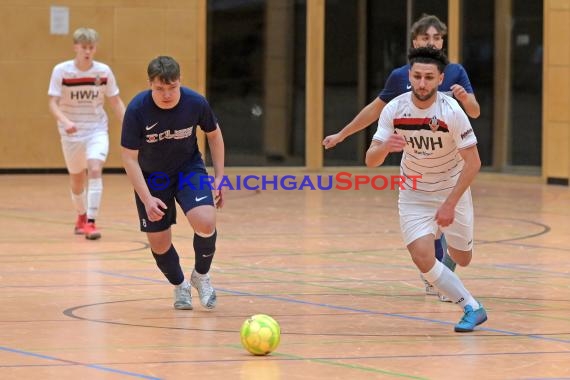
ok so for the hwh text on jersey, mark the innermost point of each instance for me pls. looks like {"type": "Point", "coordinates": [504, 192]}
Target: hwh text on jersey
{"type": "Point", "coordinates": [424, 142]}
{"type": "Point", "coordinates": [84, 94]}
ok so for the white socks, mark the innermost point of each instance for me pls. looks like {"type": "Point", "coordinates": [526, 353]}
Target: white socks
{"type": "Point", "coordinates": [94, 192]}
{"type": "Point", "coordinates": [449, 284]}
{"type": "Point", "coordinates": [183, 285]}
{"type": "Point", "coordinates": [78, 201]}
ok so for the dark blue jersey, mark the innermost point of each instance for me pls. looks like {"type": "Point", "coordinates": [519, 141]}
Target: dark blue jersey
{"type": "Point", "coordinates": [398, 82]}
{"type": "Point", "coordinates": [166, 138]}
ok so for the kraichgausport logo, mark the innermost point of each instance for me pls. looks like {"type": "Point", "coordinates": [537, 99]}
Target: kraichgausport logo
{"type": "Point", "coordinates": [339, 181]}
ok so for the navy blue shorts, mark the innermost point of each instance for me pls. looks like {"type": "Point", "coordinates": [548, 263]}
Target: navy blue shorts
{"type": "Point", "coordinates": [191, 187]}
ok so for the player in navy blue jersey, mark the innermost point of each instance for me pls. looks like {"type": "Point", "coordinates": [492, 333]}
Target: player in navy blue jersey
{"type": "Point", "coordinates": [428, 30]}
{"type": "Point", "coordinates": [162, 160]}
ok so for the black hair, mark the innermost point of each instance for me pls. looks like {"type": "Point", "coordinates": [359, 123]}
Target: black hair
{"type": "Point", "coordinates": [164, 68]}
{"type": "Point", "coordinates": [428, 54]}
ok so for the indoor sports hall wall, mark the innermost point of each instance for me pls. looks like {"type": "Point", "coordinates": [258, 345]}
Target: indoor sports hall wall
{"type": "Point", "coordinates": [556, 97]}
{"type": "Point", "coordinates": [132, 32]}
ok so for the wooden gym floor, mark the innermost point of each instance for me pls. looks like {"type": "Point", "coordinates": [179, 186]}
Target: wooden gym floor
{"type": "Point", "coordinates": [330, 266]}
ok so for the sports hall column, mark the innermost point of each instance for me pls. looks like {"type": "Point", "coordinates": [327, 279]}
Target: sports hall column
{"type": "Point", "coordinates": [556, 93]}
{"type": "Point", "coordinates": [453, 30]}
{"type": "Point", "coordinates": [279, 45]}
{"type": "Point", "coordinates": [502, 84]}
{"type": "Point", "coordinates": [315, 84]}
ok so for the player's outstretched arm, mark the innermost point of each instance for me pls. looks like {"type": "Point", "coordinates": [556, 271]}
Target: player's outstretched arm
{"type": "Point", "coordinates": [118, 107]}
{"type": "Point", "coordinates": [365, 117]}
{"type": "Point", "coordinates": [154, 206]}
{"type": "Point", "coordinates": [468, 101]}
{"type": "Point", "coordinates": [68, 125]}
{"type": "Point", "coordinates": [379, 150]}
{"type": "Point", "coordinates": [472, 164]}
{"type": "Point", "coordinates": [216, 144]}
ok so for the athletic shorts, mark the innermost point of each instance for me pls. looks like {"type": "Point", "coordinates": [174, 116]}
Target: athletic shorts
{"type": "Point", "coordinates": [77, 152]}
{"type": "Point", "coordinates": [417, 218]}
{"type": "Point", "coordinates": [189, 188]}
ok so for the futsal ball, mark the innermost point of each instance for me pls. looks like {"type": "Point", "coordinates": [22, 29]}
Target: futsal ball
{"type": "Point", "coordinates": [260, 334]}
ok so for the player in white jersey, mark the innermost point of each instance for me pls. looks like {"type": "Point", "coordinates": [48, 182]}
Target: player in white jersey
{"type": "Point", "coordinates": [77, 91]}
{"type": "Point", "coordinates": [439, 145]}
{"type": "Point", "coordinates": [427, 30]}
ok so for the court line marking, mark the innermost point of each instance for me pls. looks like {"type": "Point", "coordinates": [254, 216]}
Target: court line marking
{"type": "Point", "coordinates": [69, 311]}
{"type": "Point", "coordinates": [72, 362]}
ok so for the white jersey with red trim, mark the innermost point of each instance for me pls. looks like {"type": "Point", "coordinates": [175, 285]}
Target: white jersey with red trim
{"type": "Point", "coordinates": [82, 96]}
{"type": "Point", "coordinates": [433, 136]}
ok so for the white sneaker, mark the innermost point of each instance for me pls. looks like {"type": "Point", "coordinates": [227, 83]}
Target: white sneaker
{"type": "Point", "coordinates": [182, 296]}
{"type": "Point", "coordinates": [205, 290]}
{"type": "Point", "coordinates": [443, 298]}
{"type": "Point", "coordinates": [430, 289]}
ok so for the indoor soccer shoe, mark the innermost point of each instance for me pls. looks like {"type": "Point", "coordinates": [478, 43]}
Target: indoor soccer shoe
{"type": "Point", "coordinates": [80, 224]}
{"type": "Point", "coordinates": [430, 289]}
{"type": "Point", "coordinates": [471, 318]}
{"type": "Point", "coordinates": [205, 290]}
{"type": "Point", "coordinates": [182, 297]}
{"type": "Point", "coordinates": [91, 232]}
{"type": "Point", "coordinates": [443, 298]}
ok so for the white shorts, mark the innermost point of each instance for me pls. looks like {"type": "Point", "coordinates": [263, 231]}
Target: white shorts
{"type": "Point", "coordinates": [77, 152]}
{"type": "Point", "coordinates": [417, 218]}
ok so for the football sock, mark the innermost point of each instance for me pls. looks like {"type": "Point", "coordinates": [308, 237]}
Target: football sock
{"type": "Point", "coordinates": [94, 191]}
{"type": "Point", "coordinates": [204, 249]}
{"type": "Point", "coordinates": [449, 284]}
{"type": "Point", "coordinates": [438, 249]}
{"type": "Point", "coordinates": [169, 265]}
{"type": "Point", "coordinates": [78, 201]}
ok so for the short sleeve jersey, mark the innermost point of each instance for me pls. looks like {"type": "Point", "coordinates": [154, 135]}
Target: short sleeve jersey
{"type": "Point", "coordinates": [166, 138]}
{"type": "Point", "coordinates": [433, 136]}
{"type": "Point", "coordinates": [82, 96]}
{"type": "Point", "coordinates": [398, 81]}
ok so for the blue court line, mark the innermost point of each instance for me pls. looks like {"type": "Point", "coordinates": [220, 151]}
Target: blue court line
{"type": "Point", "coordinates": [529, 268]}
{"type": "Point", "coordinates": [362, 311]}
{"type": "Point", "coordinates": [94, 366]}
{"type": "Point", "coordinates": [394, 315]}
{"type": "Point", "coordinates": [131, 277]}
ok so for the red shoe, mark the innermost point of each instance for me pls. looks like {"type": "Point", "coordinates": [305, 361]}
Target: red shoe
{"type": "Point", "coordinates": [80, 224]}
{"type": "Point", "coordinates": [91, 231]}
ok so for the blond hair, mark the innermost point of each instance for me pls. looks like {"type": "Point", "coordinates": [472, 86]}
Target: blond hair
{"type": "Point", "coordinates": [85, 35]}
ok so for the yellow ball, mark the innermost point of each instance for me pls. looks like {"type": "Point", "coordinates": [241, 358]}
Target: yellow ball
{"type": "Point", "coordinates": [260, 334]}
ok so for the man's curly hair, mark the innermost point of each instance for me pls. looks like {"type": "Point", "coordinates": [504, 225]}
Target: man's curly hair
{"type": "Point", "coordinates": [428, 54]}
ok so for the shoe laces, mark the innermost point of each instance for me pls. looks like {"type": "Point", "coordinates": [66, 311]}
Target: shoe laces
{"type": "Point", "coordinates": [182, 293]}
{"type": "Point", "coordinates": [205, 282]}
{"type": "Point", "coordinates": [468, 311]}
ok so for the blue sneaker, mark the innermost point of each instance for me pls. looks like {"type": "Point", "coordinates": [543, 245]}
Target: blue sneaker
{"type": "Point", "coordinates": [471, 318]}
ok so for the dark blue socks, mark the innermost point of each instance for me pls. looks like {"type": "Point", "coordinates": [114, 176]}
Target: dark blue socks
{"type": "Point", "coordinates": [438, 249]}
{"type": "Point", "coordinates": [169, 265]}
{"type": "Point", "coordinates": [204, 249]}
